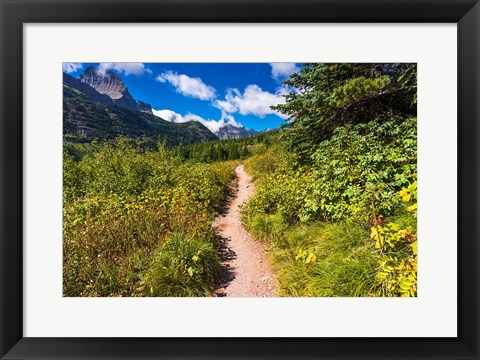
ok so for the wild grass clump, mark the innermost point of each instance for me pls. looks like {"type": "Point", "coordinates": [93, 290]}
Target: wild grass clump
{"type": "Point", "coordinates": [182, 267]}
{"type": "Point", "coordinates": [327, 260]}
{"type": "Point", "coordinates": [268, 227]}
{"type": "Point", "coordinates": [126, 212]}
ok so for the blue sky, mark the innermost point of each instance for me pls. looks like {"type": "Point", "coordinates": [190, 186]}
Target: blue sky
{"type": "Point", "coordinates": [212, 93]}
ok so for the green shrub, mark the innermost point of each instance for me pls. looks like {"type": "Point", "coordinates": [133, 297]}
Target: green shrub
{"type": "Point", "coordinates": [121, 205]}
{"type": "Point", "coordinates": [183, 267]}
{"type": "Point", "coordinates": [328, 210]}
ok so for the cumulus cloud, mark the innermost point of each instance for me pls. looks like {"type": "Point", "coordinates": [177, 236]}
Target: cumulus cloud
{"type": "Point", "coordinates": [71, 67]}
{"type": "Point", "coordinates": [213, 125]}
{"type": "Point", "coordinates": [125, 68]}
{"type": "Point", "coordinates": [253, 101]}
{"type": "Point", "coordinates": [281, 71]}
{"type": "Point", "coordinates": [187, 85]}
{"type": "Point", "coordinates": [168, 115]}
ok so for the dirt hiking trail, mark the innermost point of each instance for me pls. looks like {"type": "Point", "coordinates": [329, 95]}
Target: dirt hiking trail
{"type": "Point", "coordinates": [245, 266]}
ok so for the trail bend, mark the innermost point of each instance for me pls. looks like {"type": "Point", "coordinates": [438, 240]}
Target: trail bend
{"type": "Point", "coordinates": [246, 270]}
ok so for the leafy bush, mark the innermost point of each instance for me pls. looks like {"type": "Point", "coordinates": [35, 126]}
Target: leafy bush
{"type": "Point", "coordinates": [317, 216]}
{"type": "Point", "coordinates": [361, 161]}
{"type": "Point", "coordinates": [123, 210]}
{"type": "Point", "coordinates": [397, 242]}
{"type": "Point", "coordinates": [182, 267]}
{"type": "Point", "coordinates": [357, 165]}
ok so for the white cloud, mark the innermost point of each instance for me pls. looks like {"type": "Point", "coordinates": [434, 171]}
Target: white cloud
{"type": "Point", "coordinates": [188, 86]}
{"type": "Point", "coordinates": [126, 68]}
{"type": "Point", "coordinates": [168, 115]}
{"type": "Point", "coordinates": [281, 71]}
{"type": "Point", "coordinates": [213, 125]}
{"type": "Point", "coordinates": [253, 101]}
{"type": "Point", "coordinates": [71, 67]}
{"type": "Point", "coordinates": [229, 104]}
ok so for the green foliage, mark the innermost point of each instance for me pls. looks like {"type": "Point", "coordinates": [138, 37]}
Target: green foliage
{"type": "Point", "coordinates": [338, 203]}
{"type": "Point", "coordinates": [321, 259]}
{"type": "Point", "coordinates": [357, 161]}
{"type": "Point", "coordinates": [125, 210]}
{"type": "Point", "coordinates": [345, 223]}
{"type": "Point", "coordinates": [78, 150]}
{"type": "Point", "coordinates": [357, 90]}
{"type": "Point", "coordinates": [331, 95]}
{"type": "Point", "coordinates": [222, 150]}
{"type": "Point", "coordinates": [397, 242]}
{"type": "Point", "coordinates": [183, 267]}
{"type": "Point", "coordinates": [268, 227]}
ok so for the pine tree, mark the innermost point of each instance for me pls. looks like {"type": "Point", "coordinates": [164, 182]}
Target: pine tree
{"type": "Point", "coordinates": [330, 95]}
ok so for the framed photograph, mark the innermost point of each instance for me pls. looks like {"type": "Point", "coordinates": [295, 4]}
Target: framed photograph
{"type": "Point", "coordinates": [228, 179]}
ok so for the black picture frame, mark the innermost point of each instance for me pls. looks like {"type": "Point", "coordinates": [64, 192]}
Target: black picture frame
{"type": "Point", "coordinates": [14, 13]}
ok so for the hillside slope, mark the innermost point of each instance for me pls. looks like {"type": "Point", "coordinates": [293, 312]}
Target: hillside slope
{"type": "Point", "coordinates": [85, 120]}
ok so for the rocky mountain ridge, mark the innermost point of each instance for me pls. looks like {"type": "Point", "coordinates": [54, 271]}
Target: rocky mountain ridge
{"type": "Point", "coordinates": [90, 115]}
{"type": "Point", "coordinates": [111, 85]}
{"type": "Point", "coordinates": [229, 131]}
{"type": "Point", "coordinates": [88, 90]}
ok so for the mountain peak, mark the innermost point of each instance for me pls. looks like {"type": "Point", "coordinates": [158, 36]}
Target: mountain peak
{"type": "Point", "coordinates": [110, 84]}
{"type": "Point", "coordinates": [229, 131]}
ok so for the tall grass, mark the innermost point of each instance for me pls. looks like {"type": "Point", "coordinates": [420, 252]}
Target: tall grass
{"type": "Point", "coordinates": [182, 267]}
{"type": "Point", "coordinates": [139, 223]}
{"type": "Point", "coordinates": [327, 260]}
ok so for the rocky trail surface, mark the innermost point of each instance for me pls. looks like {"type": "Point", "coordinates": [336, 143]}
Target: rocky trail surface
{"type": "Point", "coordinates": [245, 266]}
